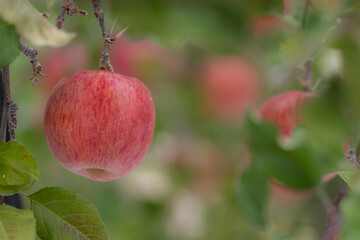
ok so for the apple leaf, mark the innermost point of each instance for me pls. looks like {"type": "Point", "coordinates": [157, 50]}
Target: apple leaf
{"type": "Point", "coordinates": [296, 49]}
{"type": "Point", "coordinates": [327, 126]}
{"type": "Point", "coordinates": [31, 25]}
{"type": "Point", "coordinates": [9, 43]}
{"type": "Point", "coordinates": [295, 167]}
{"type": "Point", "coordinates": [16, 224]}
{"type": "Point", "coordinates": [352, 178]}
{"type": "Point", "coordinates": [350, 208]}
{"type": "Point", "coordinates": [62, 214]}
{"type": "Point", "coordinates": [253, 195]}
{"type": "Point", "coordinates": [351, 83]}
{"type": "Point", "coordinates": [18, 169]}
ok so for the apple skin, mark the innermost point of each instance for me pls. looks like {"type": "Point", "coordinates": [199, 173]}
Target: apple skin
{"type": "Point", "coordinates": [284, 110]}
{"type": "Point", "coordinates": [99, 124]}
{"type": "Point", "coordinates": [230, 85]}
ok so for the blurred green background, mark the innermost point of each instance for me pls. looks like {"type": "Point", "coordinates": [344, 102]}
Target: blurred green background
{"type": "Point", "coordinates": [185, 188]}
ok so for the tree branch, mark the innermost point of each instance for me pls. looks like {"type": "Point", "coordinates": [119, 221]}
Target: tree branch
{"type": "Point", "coordinates": [105, 59]}
{"type": "Point", "coordinates": [308, 75]}
{"type": "Point", "coordinates": [4, 109]}
{"type": "Point", "coordinates": [70, 8]}
{"type": "Point", "coordinates": [12, 106]}
{"type": "Point", "coordinates": [36, 66]}
{"type": "Point", "coordinates": [4, 126]}
{"type": "Point", "coordinates": [334, 217]}
{"type": "Point", "coordinates": [306, 81]}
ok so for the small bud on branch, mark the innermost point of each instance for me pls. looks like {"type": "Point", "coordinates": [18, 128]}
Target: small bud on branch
{"type": "Point", "coordinates": [70, 8]}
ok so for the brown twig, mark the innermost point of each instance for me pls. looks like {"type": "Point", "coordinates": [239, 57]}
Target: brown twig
{"type": "Point", "coordinates": [306, 82]}
{"type": "Point", "coordinates": [334, 217]}
{"type": "Point", "coordinates": [12, 107]}
{"type": "Point", "coordinates": [36, 66]}
{"type": "Point", "coordinates": [308, 75]}
{"type": "Point", "coordinates": [70, 8]}
{"type": "Point", "coordinates": [4, 108]}
{"type": "Point", "coordinates": [99, 14]}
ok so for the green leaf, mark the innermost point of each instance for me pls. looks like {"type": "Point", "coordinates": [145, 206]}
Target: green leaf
{"type": "Point", "coordinates": [327, 126]}
{"type": "Point", "coordinates": [351, 83]}
{"type": "Point", "coordinates": [9, 43]}
{"type": "Point", "coordinates": [31, 25]}
{"type": "Point", "coordinates": [16, 224]}
{"type": "Point", "coordinates": [352, 178]}
{"type": "Point", "coordinates": [296, 49]}
{"type": "Point", "coordinates": [18, 169]}
{"type": "Point", "coordinates": [253, 195]}
{"type": "Point", "coordinates": [61, 214]}
{"type": "Point", "coordinates": [296, 166]}
{"type": "Point", "coordinates": [349, 209]}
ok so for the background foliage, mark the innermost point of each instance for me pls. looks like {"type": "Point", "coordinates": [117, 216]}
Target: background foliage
{"type": "Point", "coordinates": [191, 184]}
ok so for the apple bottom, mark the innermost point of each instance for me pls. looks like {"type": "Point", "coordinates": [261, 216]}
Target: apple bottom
{"type": "Point", "coordinates": [101, 174]}
{"type": "Point", "coordinates": [102, 168]}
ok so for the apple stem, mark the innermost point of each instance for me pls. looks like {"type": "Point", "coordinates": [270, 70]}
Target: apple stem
{"type": "Point", "coordinates": [36, 66]}
{"type": "Point", "coordinates": [8, 119]}
{"type": "Point", "coordinates": [105, 59]}
{"type": "Point", "coordinates": [334, 217]}
{"type": "Point", "coordinates": [70, 8]}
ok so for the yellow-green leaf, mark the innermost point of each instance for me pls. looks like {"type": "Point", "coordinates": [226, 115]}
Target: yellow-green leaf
{"type": "Point", "coordinates": [62, 214]}
{"type": "Point", "coordinates": [18, 169]}
{"type": "Point", "coordinates": [16, 224]}
{"type": "Point", "coordinates": [31, 25]}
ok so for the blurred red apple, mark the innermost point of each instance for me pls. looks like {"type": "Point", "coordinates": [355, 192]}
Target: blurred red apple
{"type": "Point", "coordinates": [230, 85]}
{"type": "Point", "coordinates": [288, 5]}
{"type": "Point", "coordinates": [144, 59]}
{"type": "Point", "coordinates": [262, 25]}
{"type": "Point", "coordinates": [59, 62]}
{"type": "Point", "coordinates": [284, 195]}
{"type": "Point", "coordinates": [284, 110]}
{"type": "Point", "coordinates": [99, 124]}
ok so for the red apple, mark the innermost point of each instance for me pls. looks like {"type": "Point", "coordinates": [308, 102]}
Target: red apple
{"type": "Point", "coordinates": [284, 110]}
{"type": "Point", "coordinates": [57, 62]}
{"type": "Point", "coordinates": [288, 5]}
{"type": "Point", "coordinates": [99, 124]}
{"type": "Point", "coordinates": [287, 196]}
{"type": "Point", "coordinates": [262, 25]}
{"type": "Point", "coordinates": [144, 59]}
{"type": "Point", "coordinates": [229, 85]}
